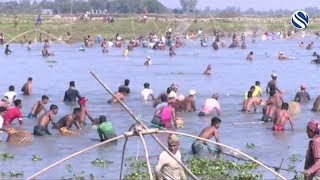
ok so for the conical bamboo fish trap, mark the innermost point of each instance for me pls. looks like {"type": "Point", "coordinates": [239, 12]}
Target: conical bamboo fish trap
{"type": "Point", "coordinates": [65, 132]}
{"type": "Point", "coordinates": [18, 136]}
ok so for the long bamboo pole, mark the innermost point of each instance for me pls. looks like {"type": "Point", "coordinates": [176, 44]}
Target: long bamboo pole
{"type": "Point", "coordinates": [228, 147]}
{"type": "Point", "coordinates": [146, 154]}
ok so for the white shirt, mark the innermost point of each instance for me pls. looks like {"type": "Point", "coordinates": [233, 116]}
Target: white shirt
{"type": "Point", "coordinates": [209, 105]}
{"type": "Point", "coordinates": [169, 168]}
{"type": "Point", "coordinates": [146, 93]}
{"type": "Point", "coordinates": [173, 94]}
{"type": "Point", "coordinates": [10, 95]}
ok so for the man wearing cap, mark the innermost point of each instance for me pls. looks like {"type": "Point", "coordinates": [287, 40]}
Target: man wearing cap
{"type": "Point", "coordinates": [168, 168]}
{"type": "Point", "coordinates": [272, 85]}
{"type": "Point", "coordinates": [303, 95]}
{"type": "Point", "coordinates": [71, 94]}
{"type": "Point", "coordinates": [190, 101]}
{"type": "Point", "coordinates": [84, 111]}
{"type": "Point", "coordinates": [210, 105]}
{"type": "Point", "coordinates": [179, 104]}
{"type": "Point", "coordinates": [174, 88]}
{"type": "Point", "coordinates": [125, 87]}
{"type": "Point", "coordinates": [148, 61]}
{"type": "Point", "coordinates": [105, 129]}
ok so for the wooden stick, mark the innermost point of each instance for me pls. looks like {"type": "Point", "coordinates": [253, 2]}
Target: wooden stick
{"type": "Point", "coordinates": [252, 122]}
{"type": "Point", "coordinates": [19, 36]}
{"type": "Point", "coordinates": [123, 151]}
{"type": "Point", "coordinates": [73, 155]}
{"type": "Point", "coordinates": [228, 147]}
{"type": "Point", "coordinates": [145, 127]}
{"type": "Point", "coordinates": [146, 154]}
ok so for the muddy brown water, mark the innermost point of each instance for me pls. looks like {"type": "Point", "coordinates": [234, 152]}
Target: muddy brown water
{"type": "Point", "coordinates": [232, 76]}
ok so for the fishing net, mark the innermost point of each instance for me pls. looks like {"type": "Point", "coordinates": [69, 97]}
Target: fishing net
{"type": "Point", "coordinates": [18, 136]}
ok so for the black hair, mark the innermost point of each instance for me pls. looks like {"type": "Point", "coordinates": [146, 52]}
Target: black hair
{"type": "Point", "coordinates": [76, 110]}
{"type": "Point", "coordinates": [102, 119]}
{"type": "Point", "coordinates": [250, 94]}
{"type": "Point", "coordinates": [53, 106]}
{"type": "Point", "coordinates": [257, 83]}
{"type": "Point", "coordinates": [126, 82]}
{"type": "Point", "coordinates": [11, 88]}
{"type": "Point", "coordinates": [251, 53]}
{"type": "Point", "coordinates": [44, 97]}
{"type": "Point", "coordinates": [215, 120]}
{"type": "Point", "coordinates": [2, 109]}
{"type": "Point", "coordinates": [72, 83]}
{"type": "Point", "coordinates": [169, 89]}
{"type": "Point", "coordinates": [252, 88]}
{"type": "Point", "coordinates": [285, 106]}
{"type": "Point", "coordinates": [30, 79]}
{"type": "Point", "coordinates": [146, 85]}
{"type": "Point", "coordinates": [17, 102]}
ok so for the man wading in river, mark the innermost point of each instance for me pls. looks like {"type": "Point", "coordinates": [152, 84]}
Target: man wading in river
{"type": "Point", "coordinates": [168, 168]}
{"type": "Point", "coordinates": [41, 128]}
{"type": "Point", "coordinates": [71, 94]}
{"type": "Point", "coordinates": [70, 119]}
{"type": "Point", "coordinates": [207, 133]}
{"type": "Point", "coordinates": [39, 106]}
{"type": "Point", "coordinates": [84, 111]}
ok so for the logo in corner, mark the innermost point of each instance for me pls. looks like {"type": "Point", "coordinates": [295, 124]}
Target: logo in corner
{"type": "Point", "coordinates": [300, 19]}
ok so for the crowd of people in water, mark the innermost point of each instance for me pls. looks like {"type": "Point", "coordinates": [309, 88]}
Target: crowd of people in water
{"type": "Point", "coordinates": [170, 106]}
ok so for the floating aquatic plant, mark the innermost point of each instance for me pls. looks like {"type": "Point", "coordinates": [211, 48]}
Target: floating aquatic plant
{"type": "Point", "coordinates": [6, 156]}
{"type": "Point", "coordinates": [250, 146]}
{"type": "Point", "coordinates": [101, 163]}
{"type": "Point", "coordinates": [137, 169]}
{"type": "Point", "coordinates": [293, 158]}
{"type": "Point", "coordinates": [15, 173]}
{"type": "Point", "coordinates": [68, 167]}
{"type": "Point", "coordinates": [36, 158]}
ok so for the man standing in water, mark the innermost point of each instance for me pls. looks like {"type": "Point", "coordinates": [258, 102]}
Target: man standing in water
{"type": "Point", "coordinates": [125, 87]}
{"type": "Point", "coordinates": [269, 112]}
{"type": "Point", "coordinates": [26, 88]}
{"type": "Point", "coordinates": [312, 162]}
{"type": "Point", "coordinates": [41, 128]}
{"type": "Point", "coordinates": [272, 85]}
{"type": "Point", "coordinates": [39, 106]}
{"type": "Point", "coordinates": [302, 96]}
{"type": "Point", "coordinates": [207, 133]}
{"type": "Point", "coordinates": [105, 130]}
{"type": "Point", "coordinates": [190, 101]}
{"type": "Point", "coordinates": [84, 111]}
{"type": "Point", "coordinates": [282, 116]}
{"type": "Point", "coordinates": [167, 167]}
{"type": "Point", "coordinates": [71, 94]}
{"type": "Point", "coordinates": [7, 51]}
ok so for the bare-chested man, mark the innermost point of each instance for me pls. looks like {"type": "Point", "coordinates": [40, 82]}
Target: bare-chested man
{"type": "Point", "coordinates": [41, 128]}
{"type": "Point", "coordinates": [207, 133]}
{"type": "Point", "coordinates": [282, 116]}
{"type": "Point", "coordinates": [120, 95]}
{"type": "Point", "coordinates": [27, 87]}
{"type": "Point", "coordinates": [250, 102]}
{"type": "Point", "coordinates": [250, 56]}
{"type": "Point", "coordinates": [84, 111]}
{"type": "Point", "coordinates": [208, 70]}
{"type": "Point", "coordinates": [276, 98]}
{"type": "Point", "coordinates": [70, 119]}
{"type": "Point", "coordinates": [39, 106]}
{"type": "Point", "coordinates": [269, 112]}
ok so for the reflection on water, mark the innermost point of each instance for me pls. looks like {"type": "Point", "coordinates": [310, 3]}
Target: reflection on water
{"type": "Point", "coordinates": [232, 76]}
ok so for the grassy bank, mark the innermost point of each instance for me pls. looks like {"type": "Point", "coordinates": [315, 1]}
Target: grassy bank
{"type": "Point", "coordinates": [131, 26]}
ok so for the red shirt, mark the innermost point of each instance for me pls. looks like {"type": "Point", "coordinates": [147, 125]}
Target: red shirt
{"type": "Point", "coordinates": [12, 114]}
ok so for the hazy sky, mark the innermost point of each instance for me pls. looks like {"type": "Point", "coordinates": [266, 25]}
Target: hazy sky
{"type": "Point", "coordinates": [245, 4]}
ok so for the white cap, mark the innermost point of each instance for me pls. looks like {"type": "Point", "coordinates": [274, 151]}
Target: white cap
{"type": "Point", "coordinates": [192, 92]}
{"type": "Point", "coordinates": [274, 75]}
{"type": "Point", "coordinates": [148, 57]}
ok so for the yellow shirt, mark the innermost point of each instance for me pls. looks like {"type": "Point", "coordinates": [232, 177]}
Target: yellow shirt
{"type": "Point", "coordinates": [257, 91]}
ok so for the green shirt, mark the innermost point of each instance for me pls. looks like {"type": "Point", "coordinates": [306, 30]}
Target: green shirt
{"type": "Point", "coordinates": [105, 129]}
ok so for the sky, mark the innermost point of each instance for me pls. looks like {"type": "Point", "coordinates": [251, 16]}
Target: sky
{"type": "Point", "coordinates": [246, 4]}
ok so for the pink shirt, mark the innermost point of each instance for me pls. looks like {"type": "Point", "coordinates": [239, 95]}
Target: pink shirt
{"type": "Point", "coordinates": [209, 106]}
{"type": "Point", "coordinates": [166, 116]}
{"type": "Point", "coordinates": [12, 114]}
{"type": "Point", "coordinates": [312, 164]}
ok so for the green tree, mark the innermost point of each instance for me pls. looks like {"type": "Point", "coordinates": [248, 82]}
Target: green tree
{"type": "Point", "coordinates": [188, 5]}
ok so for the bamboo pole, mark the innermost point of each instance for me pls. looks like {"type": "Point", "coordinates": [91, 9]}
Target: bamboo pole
{"type": "Point", "coordinates": [228, 147]}
{"type": "Point", "coordinates": [73, 155]}
{"type": "Point", "coordinates": [146, 154]}
{"type": "Point", "coordinates": [19, 36]}
{"type": "Point", "coordinates": [139, 122]}
{"type": "Point", "coordinates": [123, 151]}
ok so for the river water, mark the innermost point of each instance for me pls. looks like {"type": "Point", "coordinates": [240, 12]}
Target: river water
{"type": "Point", "coordinates": [232, 76]}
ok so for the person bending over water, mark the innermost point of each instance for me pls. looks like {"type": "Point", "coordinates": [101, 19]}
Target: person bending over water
{"type": "Point", "coordinates": [105, 130]}
{"type": "Point", "coordinates": [269, 112]}
{"type": "Point", "coordinates": [68, 120]}
{"type": "Point", "coordinates": [282, 56]}
{"type": "Point", "coordinates": [45, 52]}
{"type": "Point", "coordinates": [208, 70]}
{"type": "Point", "coordinates": [39, 106]}
{"type": "Point", "coordinates": [312, 161]}
{"type": "Point", "coordinates": [27, 87]}
{"type": "Point", "coordinates": [13, 113]}
{"type": "Point", "coordinates": [125, 86]}
{"type": "Point", "coordinates": [7, 51]}
{"type": "Point", "coordinates": [282, 116]}
{"type": "Point", "coordinates": [302, 96]}
{"type": "Point", "coordinates": [250, 56]}
{"type": "Point", "coordinates": [84, 111]}
{"type": "Point", "coordinates": [210, 105]}
{"type": "Point", "coordinates": [41, 128]}
{"type": "Point", "coordinates": [198, 146]}
{"type": "Point", "coordinates": [120, 95]}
